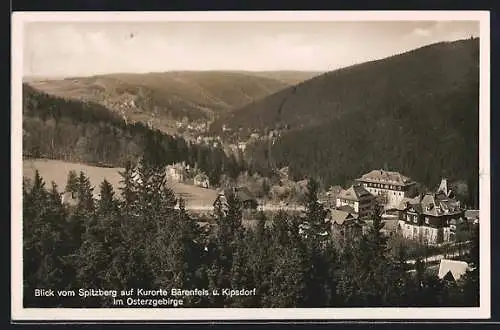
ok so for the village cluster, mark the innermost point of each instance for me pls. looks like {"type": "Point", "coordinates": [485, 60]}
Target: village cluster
{"type": "Point", "coordinates": [434, 217]}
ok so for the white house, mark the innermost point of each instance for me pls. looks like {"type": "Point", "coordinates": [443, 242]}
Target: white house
{"type": "Point", "coordinates": [201, 180]}
{"type": "Point", "coordinates": [392, 187]}
{"type": "Point", "coordinates": [452, 269]}
{"type": "Point", "coordinates": [176, 172]}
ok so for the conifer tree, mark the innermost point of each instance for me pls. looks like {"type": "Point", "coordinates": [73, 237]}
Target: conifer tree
{"type": "Point", "coordinates": [72, 182]}
{"type": "Point", "coordinates": [315, 212]}
{"type": "Point", "coordinates": [128, 186]}
{"type": "Point", "coordinates": [56, 240]}
{"type": "Point", "coordinates": [34, 205]}
{"type": "Point", "coordinates": [240, 274]}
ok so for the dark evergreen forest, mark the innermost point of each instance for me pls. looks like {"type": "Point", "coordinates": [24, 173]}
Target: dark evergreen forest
{"type": "Point", "coordinates": [139, 235]}
{"type": "Point", "coordinates": [133, 236]}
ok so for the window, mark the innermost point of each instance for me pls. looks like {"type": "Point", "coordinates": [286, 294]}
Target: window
{"type": "Point", "coordinates": [415, 219]}
{"type": "Point", "coordinates": [427, 220]}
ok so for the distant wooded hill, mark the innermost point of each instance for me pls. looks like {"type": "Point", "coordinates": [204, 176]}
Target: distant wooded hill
{"type": "Point", "coordinates": [417, 112]}
{"type": "Point", "coordinates": [163, 98]}
{"type": "Point", "coordinates": [89, 133]}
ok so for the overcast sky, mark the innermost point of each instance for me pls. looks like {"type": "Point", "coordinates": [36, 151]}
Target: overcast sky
{"type": "Point", "coordinates": [82, 49]}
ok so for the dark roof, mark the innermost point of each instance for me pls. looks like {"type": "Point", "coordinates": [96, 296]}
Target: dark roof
{"type": "Point", "coordinates": [449, 276]}
{"type": "Point", "coordinates": [389, 177]}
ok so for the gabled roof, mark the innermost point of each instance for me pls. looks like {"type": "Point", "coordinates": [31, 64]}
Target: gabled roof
{"type": "Point", "coordinates": [455, 267]}
{"type": "Point", "coordinates": [382, 176]}
{"type": "Point", "coordinates": [339, 216]}
{"type": "Point", "coordinates": [439, 204]}
{"type": "Point", "coordinates": [354, 193]}
{"type": "Point", "coordinates": [431, 204]}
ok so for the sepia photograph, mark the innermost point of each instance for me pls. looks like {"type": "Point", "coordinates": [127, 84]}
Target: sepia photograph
{"type": "Point", "coordinates": [250, 165]}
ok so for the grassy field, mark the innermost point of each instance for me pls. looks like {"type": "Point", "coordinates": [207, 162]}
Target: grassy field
{"type": "Point", "coordinates": [57, 171]}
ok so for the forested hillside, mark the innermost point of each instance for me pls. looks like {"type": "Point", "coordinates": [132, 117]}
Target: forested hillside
{"type": "Point", "coordinates": [417, 113]}
{"type": "Point", "coordinates": [288, 77]}
{"type": "Point", "coordinates": [164, 98]}
{"type": "Point", "coordinates": [89, 133]}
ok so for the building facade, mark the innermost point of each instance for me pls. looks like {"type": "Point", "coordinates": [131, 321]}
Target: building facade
{"type": "Point", "coordinates": [389, 187]}
{"type": "Point", "coordinates": [433, 218]}
{"type": "Point", "coordinates": [359, 199]}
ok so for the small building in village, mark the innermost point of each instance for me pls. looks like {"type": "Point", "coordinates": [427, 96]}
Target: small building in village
{"type": "Point", "coordinates": [201, 180]}
{"type": "Point", "coordinates": [452, 270]}
{"type": "Point", "coordinates": [359, 199]}
{"type": "Point", "coordinates": [69, 198]}
{"type": "Point", "coordinates": [389, 187]}
{"type": "Point", "coordinates": [434, 217]}
{"type": "Point", "coordinates": [176, 172]}
{"type": "Point", "coordinates": [345, 224]}
{"type": "Point", "coordinates": [241, 193]}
